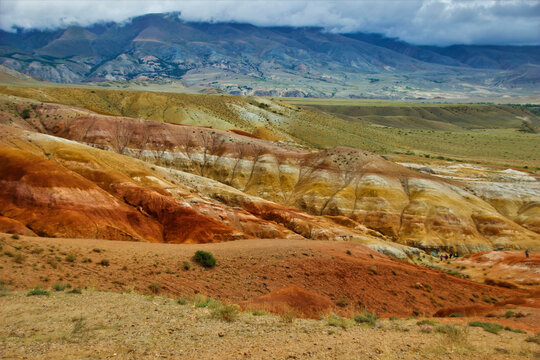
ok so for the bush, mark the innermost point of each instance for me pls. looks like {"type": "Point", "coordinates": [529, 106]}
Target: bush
{"type": "Point", "coordinates": [71, 258]}
{"type": "Point", "coordinates": [288, 316]}
{"type": "Point", "coordinates": [204, 258]}
{"type": "Point", "coordinates": [373, 271]}
{"type": "Point", "coordinates": [487, 326]}
{"type": "Point", "coordinates": [15, 236]}
{"type": "Point", "coordinates": [182, 301]}
{"type": "Point", "coordinates": [19, 258]}
{"type": "Point", "coordinates": [457, 315]}
{"type": "Point", "coordinates": [25, 114]}
{"type": "Point", "coordinates": [426, 322]}
{"type": "Point", "coordinates": [75, 291]}
{"type": "Point", "coordinates": [59, 286]}
{"type": "Point", "coordinates": [154, 288]}
{"type": "Point", "coordinates": [509, 314]}
{"type": "Point", "coordinates": [508, 328]}
{"type": "Point", "coordinates": [338, 321]}
{"type": "Point", "coordinates": [453, 333]}
{"type": "Point", "coordinates": [366, 318]}
{"type": "Point", "coordinates": [226, 313]}
{"type": "Point", "coordinates": [187, 265]}
{"type": "Point", "coordinates": [104, 262]}
{"type": "Point", "coordinates": [38, 291]}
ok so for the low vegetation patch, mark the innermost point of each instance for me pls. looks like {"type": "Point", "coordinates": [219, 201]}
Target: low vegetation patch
{"type": "Point", "coordinates": [59, 286]}
{"type": "Point", "coordinates": [104, 262]}
{"type": "Point", "coordinates": [534, 339]}
{"type": "Point", "coordinates": [338, 321]}
{"type": "Point", "coordinates": [38, 291]}
{"type": "Point", "coordinates": [154, 288]}
{"type": "Point", "coordinates": [227, 313]}
{"type": "Point", "coordinates": [205, 259]}
{"type": "Point", "coordinates": [489, 327]}
{"type": "Point", "coordinates": [426, 322]}
{"type": "Point", "coordinates": [366, 318]}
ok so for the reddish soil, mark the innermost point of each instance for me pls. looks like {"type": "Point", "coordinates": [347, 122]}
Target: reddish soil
{"type": "Point", "coordinates": [246, 270]}
{"type": "Point", "coordinates": [291, 299]}
{"type": "Point", "coordinates": [245, 133]}
{"type": "Point", "coordinates": [502, 268]}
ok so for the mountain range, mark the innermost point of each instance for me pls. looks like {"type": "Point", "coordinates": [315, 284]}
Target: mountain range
{"type": "Point", "coordinates": [245, 59]}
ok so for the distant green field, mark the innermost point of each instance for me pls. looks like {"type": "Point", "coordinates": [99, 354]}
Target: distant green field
{"type": "Point", "coordinates": [466, 132]}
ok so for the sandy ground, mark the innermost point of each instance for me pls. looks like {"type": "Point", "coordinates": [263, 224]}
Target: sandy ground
{"type": "Point", "coordinates": [104, 325]}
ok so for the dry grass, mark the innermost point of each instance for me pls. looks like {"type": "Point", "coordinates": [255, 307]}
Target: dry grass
{"type": "Point", "coordinates": [99, 324]}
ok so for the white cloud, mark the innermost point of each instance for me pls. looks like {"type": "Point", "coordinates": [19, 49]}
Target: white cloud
{"type": "Point", "coordinates": [440, 22]}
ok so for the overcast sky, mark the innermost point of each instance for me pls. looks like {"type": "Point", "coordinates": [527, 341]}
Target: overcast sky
{"type": "Point", "coordinates": [433, 22]}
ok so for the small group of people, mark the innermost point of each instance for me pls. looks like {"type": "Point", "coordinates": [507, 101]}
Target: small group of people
{"type": "Point", "coordinates": [442, 257]}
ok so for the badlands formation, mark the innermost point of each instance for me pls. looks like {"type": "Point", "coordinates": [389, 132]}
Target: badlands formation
{"type": "Point", "coordinates": [71, 172]}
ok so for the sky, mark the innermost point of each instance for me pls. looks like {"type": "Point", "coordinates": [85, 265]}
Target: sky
{"type": "Point", "coordinates": [427, 22]}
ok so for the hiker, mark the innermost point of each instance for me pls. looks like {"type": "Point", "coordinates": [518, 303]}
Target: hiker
{"type": "Point", "coordinates": [438, 250]}
{"type": "Point", "coordinates": [445, 256]}
{"type": "Point", "coordinates": [433, 253]}
{"type": "Point", "coordinates": [527, 253]}
{"type": "Point", "coordinates": [451, 256]}
{"type": "Point", "coordinates": [456, 255]}
{"type": "Point", "coordinates": [442, 257]}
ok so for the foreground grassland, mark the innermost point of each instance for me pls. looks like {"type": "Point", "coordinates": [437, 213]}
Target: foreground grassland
{"type": "Point", "coordinates": [94, 324]}
{"type": "Point", "coordinates": [479, 133]}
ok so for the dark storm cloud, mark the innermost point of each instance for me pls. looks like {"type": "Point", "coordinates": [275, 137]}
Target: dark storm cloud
{"type": "Point", "coordinates": [439, 22]}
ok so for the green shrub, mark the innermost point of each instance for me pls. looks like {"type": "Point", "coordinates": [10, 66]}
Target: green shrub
{"type": "Point", "coordinates": [59, 286]}
{"type": "Point", "coordinates": [457, 315]}
{"type": "Point", "coordinates": [487, 326]}
{"type": "Point", "coordinates": [204, 258]}
{"type": "Point", "coordinates": [508, 328]}
{"type": "Point", "coordinates": [25, 113]}
{"type": "Point", "coordinates": [104, 262]}
{"type": "Point", "coordinates": [38, 291]}
{"type": "Point", "coordinates": [366, 318]}
{"type": "Point", "coordinates": [15, 236]}
{"type": "Point", "coordinates": [426, 322]}
{"type": "Point", "coordinates": [74, 291]}
{"type": "Point", "coordinates": [509, 314]}
{"type": "Point", "coordinates": [338, 321]}
{"type": "Point", "coordinates": [187, 265]}
{"type": "Point", "coordinates": [71, 258]}
{"type": "Point", "coordinates": [373, 271]}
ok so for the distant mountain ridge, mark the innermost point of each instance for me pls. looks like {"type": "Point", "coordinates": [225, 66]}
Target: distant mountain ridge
{"type": "Point", "coordinates": [246, 59]}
